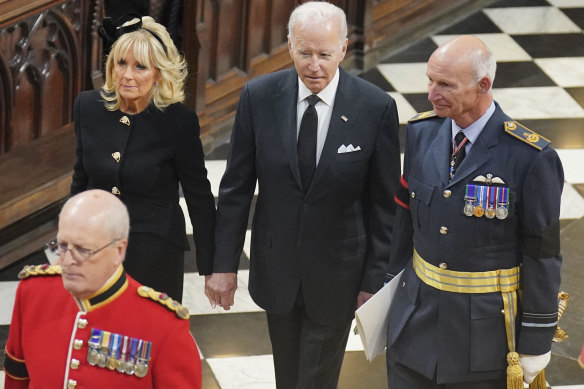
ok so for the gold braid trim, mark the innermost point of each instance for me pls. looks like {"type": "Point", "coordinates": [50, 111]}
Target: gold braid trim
{"type": "Point", "coordinates": [165, 300]}
{"type": "Point", "coordinates": [39, 270]}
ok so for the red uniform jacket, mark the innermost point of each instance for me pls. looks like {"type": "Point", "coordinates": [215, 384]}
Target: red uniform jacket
{"type": "Point", "coordinates": [48, 346]}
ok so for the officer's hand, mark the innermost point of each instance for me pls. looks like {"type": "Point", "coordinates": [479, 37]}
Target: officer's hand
{"type": "Point", "coordinates": [362, 298]}
{"type": "Point", "coordinates": [533, 364]}
{"type": "Point", "coordinates": [220, 289]}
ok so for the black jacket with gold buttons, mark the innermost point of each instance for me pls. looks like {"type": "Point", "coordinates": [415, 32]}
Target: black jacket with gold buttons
{"type": "Point", "coordinates": [142, 158]}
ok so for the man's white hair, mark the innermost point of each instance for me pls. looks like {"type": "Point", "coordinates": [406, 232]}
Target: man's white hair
{"type": "Point", "coordinates": [315, 13]}
{"type": "Point", "coordinates": [484, 65]}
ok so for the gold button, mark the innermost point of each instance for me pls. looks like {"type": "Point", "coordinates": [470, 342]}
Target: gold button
{"type": "Point", "coordinates": [124, 120]}
{"type": "Point", "coordinates": [502, 311]}
{"type": "Point", "coordinates": [116, 191]}
{"type": "Point", "coordinates": [403, 284]}
{"type": "Point", "coordinates": [413, 195]}
{"type": "Point", "coordinates": [447, 193]}
{"type": "Point", "coordinates": [77, 344]}
{"type": "Point", "coordinates": [71, 384]}
{"type": "Point", "coordinates": [117, 156]}
{"type": "Point", "coordinates": [443, 265]}
{"type": "Point", "coordinates": [74, 363]}
{"type": "Point", "coordinates": [444, 230]}
{"type": "Point", "coordinates": [81, 323]}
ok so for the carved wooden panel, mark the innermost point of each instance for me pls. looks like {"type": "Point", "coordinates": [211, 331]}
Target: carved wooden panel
{"type": "Point", "coordinates": [46, 52]}
{"type": "Point", "coordinates": [278, 22]}
{"type": "Point", "coordinates": [12, 10]}
{"type": "Point", "coordinates": [232, 40]}
{"type": "Point", "coordinates": [40, 72]}
{"type": "Point", "coordinates": [258, 39]}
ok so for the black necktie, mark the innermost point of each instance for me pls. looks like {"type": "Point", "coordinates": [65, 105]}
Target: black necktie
{"type": "Point", "coordinates": [307, 142]}
{"type": "Point", "coordinates": [458, 152]}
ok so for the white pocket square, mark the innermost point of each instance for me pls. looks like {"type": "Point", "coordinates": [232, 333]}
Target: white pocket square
{"type": "Point", "coordinates": [348, 149]}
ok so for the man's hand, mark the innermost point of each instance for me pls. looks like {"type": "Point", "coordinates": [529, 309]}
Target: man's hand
{"type": "Point", "coordinates": [533, 364]}
{"type": "Point", "coordinates": [220, 289]}
{"type": "Point", "coordinates": [363, 297]}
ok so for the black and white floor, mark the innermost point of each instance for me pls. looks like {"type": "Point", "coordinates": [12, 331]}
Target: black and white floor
{"type": "Point", "coordinates": [539, 46]}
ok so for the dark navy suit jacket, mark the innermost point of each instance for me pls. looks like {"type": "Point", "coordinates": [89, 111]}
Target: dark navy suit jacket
{"type": "Point", "coordinates": [331, 241]}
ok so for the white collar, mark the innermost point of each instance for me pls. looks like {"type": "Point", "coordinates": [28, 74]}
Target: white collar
{"type": "Point", "coordinates": [327, 95]}
{"type": "Point", "coordinates": [473, 131]}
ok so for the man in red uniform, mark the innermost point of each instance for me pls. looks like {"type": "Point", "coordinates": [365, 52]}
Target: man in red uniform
{"type": "Point", "coordinates": [94, 326]}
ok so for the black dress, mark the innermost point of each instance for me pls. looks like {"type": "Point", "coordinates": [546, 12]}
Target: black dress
{"type": "Point", "coordinates": [142, 158]}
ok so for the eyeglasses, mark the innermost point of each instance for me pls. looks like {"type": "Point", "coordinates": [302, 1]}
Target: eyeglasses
{"type": "Point", "coordinates": [79, 254]}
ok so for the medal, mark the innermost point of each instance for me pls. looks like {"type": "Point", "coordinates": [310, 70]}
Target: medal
{"type": "Point", "coordinates": [110, 359]}
{"type": "Point", "coordinates": [470, 199]}
{"type": "Point", "coordinates": [479, 211]}
{"type": "Point", "coordinates": [121, 367]}
{"type": "Point", "coordinates": [114, 351]}
{"type": "Point", "coordinates": [92, 357]}
{"type": "Point", "coordinates": [502, 203]}
{"type": "Point", "coordinates": [502, 213]}
{"type": "Point", "coordinates": [104, 349]}
{"type": "Point", "coordinates": [490, 210]}
{"type": "Point", "coordinates": [469, 208]}
{"type": "Point", "coordinates": [102, 359]}
{"type": "Point", "coordinates": [92, 353]}
{"type": "Point", "coordinates": [141, 369]}
{"type": "Point", "coordinates": [112, 363]}
{"type": "Point", "coordinates": [144, 349]}
{"type": "Point", "coordinates": [129, 365]}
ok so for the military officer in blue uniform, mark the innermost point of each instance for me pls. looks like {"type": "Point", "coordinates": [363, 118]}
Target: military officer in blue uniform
{"type": "Point", "coordinates": [477, 234]}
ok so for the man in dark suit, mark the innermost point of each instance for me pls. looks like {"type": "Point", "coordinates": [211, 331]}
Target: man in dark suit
{"type": "Point", "coordinates": [323, 218]}
{"type": "Point", "coordinates": [479, 213]}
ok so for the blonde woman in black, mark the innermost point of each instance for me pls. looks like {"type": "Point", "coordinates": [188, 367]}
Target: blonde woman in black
{"type": "Point", "coordinates": [136, 139]}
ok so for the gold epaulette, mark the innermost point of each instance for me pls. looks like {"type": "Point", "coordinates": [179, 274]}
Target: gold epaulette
{"type": "Point", "coordinates": [164, 299]}
{"type": "Point", "coordinates": [422, 116]}
{"type": "Point", "coordinates": [525, 135]}
{"type": "Point", "coordinates": [39, 270]}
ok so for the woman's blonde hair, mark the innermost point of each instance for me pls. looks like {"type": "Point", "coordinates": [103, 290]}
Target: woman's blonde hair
{"type": "Point", "coordinates": [148, 50]}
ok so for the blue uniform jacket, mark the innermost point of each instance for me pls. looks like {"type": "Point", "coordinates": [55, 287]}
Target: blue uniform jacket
{"type": "Point", "coordinates": [461, 337]}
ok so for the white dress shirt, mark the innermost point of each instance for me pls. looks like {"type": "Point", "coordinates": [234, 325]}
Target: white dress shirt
{"type": "Point", "coordinates": [324, 109]}
{"type": "Point", "coordinates": [473, 131]}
